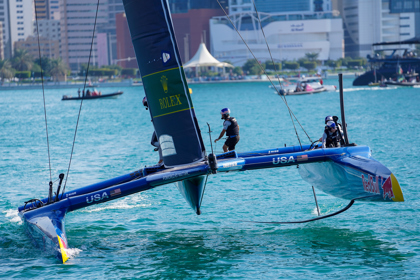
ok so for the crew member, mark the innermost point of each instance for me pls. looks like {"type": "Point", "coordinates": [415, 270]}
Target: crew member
{"type": "Point", "coordinates": [340, 129]}
{"type": "Point", "coordinates": [231, 127]}
{"type": "Point", "coordinates": [154, 141]}
{"type": "Point", "coordinates": [331, 137]}
{"type": "Point", "coordinates": [327, 119]}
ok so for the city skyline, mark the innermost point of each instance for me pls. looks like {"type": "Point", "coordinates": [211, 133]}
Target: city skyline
{"type": "Point", "coordinates": [341, 28]}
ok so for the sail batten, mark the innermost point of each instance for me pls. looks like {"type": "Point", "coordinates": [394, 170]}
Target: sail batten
{"type": "Point", "coordinates": [164, 81]}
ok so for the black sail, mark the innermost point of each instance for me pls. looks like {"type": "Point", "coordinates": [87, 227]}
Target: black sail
{"type": "Point", "coordinates": [164, 81]}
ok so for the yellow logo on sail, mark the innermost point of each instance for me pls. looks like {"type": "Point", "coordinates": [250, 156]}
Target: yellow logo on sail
{"type": "Point", "coordinates": [164, 82]}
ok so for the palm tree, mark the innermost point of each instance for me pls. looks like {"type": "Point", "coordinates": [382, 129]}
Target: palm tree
{"type": "Point", "coordinates": [6, 71]}
{"type": "Point", "coordinates": [22, 60]}
{"type": "Point", "coordinates": [312, 56]}
{"type": "Point", "coordinates": [58, 69]}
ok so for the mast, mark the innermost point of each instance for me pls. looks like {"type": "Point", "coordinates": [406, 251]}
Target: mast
{"type": "Point", "coordinates": [164, 81]}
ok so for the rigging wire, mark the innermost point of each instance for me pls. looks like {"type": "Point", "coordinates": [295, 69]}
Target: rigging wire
{"type": "Point", "coordinates": [272, 60]}
{"type": "Point", "coordinates": [274, 65]}
{"type": "Point", "coordinates": [263, 70]}
{"type": "Point", "coordinates": [43, 92]}
{"type": "Point", "coordinates": [81, 102]}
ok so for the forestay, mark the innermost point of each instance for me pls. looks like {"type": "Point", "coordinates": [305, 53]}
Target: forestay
{"type": "Point", "coordinates": [164, 81]}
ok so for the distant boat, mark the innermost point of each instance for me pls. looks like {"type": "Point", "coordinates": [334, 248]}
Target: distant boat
{"type": "Point", "coordinates": [408, 80]}
{"type": "Point", "coordinates": [385, 66]}
{"type": "Point", "coordinates": [314, 84]}
{"type": "Point", "coordinates": [108, 95]}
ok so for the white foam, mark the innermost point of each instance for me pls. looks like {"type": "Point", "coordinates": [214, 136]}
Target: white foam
{"type": "Point", "coordinates": [368, 89]}
{"type": "Point", "coordinates": [315, 212]}
{"type": "Point", "coordinates": [72, 252]}
{"type": "Point", "coordinates": [13, 216]}
{"type": "Point", "coordinates": [126, 203]}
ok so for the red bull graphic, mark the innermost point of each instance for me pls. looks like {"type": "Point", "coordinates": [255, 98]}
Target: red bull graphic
{"type": "Point", "coordinates": [62, 241]}
{"type": "Point", "coordinates": [387, 187]}
{"type": "Point", "coordinates": [371, 186]}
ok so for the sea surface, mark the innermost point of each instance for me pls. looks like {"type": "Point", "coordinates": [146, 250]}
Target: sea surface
{"type": "Point", "coordinates": [155, 235]}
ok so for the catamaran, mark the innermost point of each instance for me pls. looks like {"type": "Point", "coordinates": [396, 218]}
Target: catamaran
{"type": "Point", "coordinates": [347, 172]}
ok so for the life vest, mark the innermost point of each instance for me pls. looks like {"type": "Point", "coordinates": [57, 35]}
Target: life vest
{"type": "Point", "coordinates": [333, 140]}
{"type": "Point", "coordinates": [233, 128]}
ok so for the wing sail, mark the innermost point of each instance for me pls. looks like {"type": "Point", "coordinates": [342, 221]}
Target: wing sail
{"type": "Point", "coordinates": [164, 81]}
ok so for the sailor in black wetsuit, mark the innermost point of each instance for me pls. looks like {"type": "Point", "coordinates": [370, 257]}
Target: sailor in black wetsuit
{"type": "Point", "coordinates": [231, 127]}
{"type": "Point", "coordinates": [154, 141]}
{"type": "Point", "coordinates": [331, 137]}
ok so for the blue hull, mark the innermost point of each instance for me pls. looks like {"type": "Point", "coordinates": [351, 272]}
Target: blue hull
{"type": "Point", "coordinates": [353, 175]}
{"type": "Point", "coordinates": [348, 173]}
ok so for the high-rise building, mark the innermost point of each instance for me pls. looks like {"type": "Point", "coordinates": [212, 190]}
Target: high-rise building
{"type": "Point", "coordinates": [49, 48]}
{"type": "Point", "coordinates": [4, 19]}
{"type": "Point", "coordinates": [279, 6]}
{"type": "Point", "coordinates": [47, 9]}
{"type": "Point", "coordinates": [292, 29]}
{"type": "Point", "coordinates": [1, 42]}
{"type": "Point", "coordinates": [48, 28]}
{"type": "Point", "coordinates": [21, 17]}
{"type": "Point", "coordinates": [49, 33]}
{"type": "Point", "coordinates": [126, 56]}
{"type": "Point", "coordinates": [77, 20]}
{"type": "Point", "coordinates": [370, 21]}
{"type": "Point", "coordinates": [407, 6]}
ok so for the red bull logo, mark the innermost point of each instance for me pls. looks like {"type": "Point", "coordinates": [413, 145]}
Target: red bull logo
{"type": "Point", "coordinates": [387, 187]}
{"type": "Point", "coordinates": [371, 186]}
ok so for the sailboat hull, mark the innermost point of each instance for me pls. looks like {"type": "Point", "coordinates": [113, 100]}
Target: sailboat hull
{"type": "Point", "coordinates": [46, 228]}
{"type": "Point", "coordinates": [353, 176]}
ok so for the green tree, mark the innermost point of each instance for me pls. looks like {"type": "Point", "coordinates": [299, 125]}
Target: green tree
{"type": "Point", "coordinates": [334, 63]}
{"type": "Point", "coordinates": [355, 63]}
{"type": "Point", "coordinates": [270, 66]}
{"type": "Point", "coordinates": [116, 67]}
{"type": "Point", "coordinates": [237, 70]}
{"type": "Point", "coordinates": [252, 67]}
{"type": "Point", "coordinates": [291, 65]}
{"type": "Point", "coordinates": [22, 60]}
{"type": "Point", "coordinates": [58, 69]}
{"type": "Point", "coordinates": [310, 65]}
{"type": "Point", "coordinates": [129, 72]}
{"type": "Point", "coordinates": [6, 71]}
{"type": "Point", "coordinates": [23, 74]}
{"type": "Point", "coordinates": [44, 63]}
{"type": "Point", "coordinates": [312, 56]}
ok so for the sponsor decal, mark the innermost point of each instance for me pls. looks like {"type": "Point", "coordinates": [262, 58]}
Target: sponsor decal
{"type": "Point", "coordinates": [165, 57]}
{"type": "Point", "coordinates": [230, 164]}
{"type": "Point", "coordinates": [170, 101]}
{"type": "Point", "coordinates": [273, 152]}
{"type": "Point", "coordinates": [387, 187]}
{"type": "Point", "coordinates": [371, 186]}
{"type": "Point", "coordinates": [167, 145]}
{"type": "Point", "coordinates": [164, 82]}
{"type": "Point", "coordinates": [115, 192]}
{"type": "Point", "coordinates": [283, 160]}
{"type": "Point", "coordinates": [70, 194]}
{"type": "Point", "coordinates": [302, 158]}
{"type": "Point", "coordinates": [174, 176]}
{"type": "Point", "coordinates": [97, 197]}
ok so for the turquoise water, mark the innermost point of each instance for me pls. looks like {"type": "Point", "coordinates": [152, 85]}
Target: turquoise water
{"type": "Point", "coordinates": [156, 235]}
